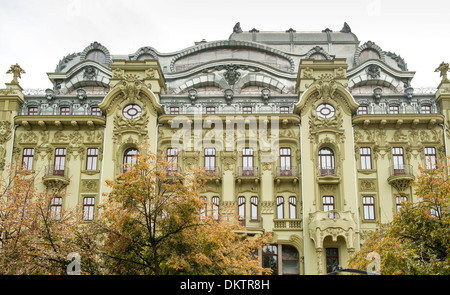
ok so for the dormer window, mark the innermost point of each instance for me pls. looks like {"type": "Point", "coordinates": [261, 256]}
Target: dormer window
{"type": "Point", "coordinates": [32, 111]}
{"type": "Point", "coordinates": [394, 110]}
{"type": "Point", "coordinates": [97, 55]}
{"type": "Point", "coordinates": [425, 109]}
{"type": "Point", "coordinates": [64, 111]}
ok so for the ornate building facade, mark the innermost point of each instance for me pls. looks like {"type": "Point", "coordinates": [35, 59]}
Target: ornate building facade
{"type": "Point", "coordinates": [314, 137]}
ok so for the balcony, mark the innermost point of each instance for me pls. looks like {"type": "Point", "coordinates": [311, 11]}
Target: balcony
{"type": "Point", "coordinates": [251, 225]}
{"type": "Point", "coordinates": [401, 176]}
{"type": "Point", "coordinates": [287, 224]}
{"type": "Point", "coordinates": [286, 174]}
{"type": "Point", "coordinates": [247, 174]}
{"type": "Point", "coordinates": [213, 174]}
{"type": "Point", "coordinates": [328, 176]}
{"type": "Point", "coordinates": [327, 172]}
{"type": "Point", "coordinates": [56, 176]}
{"type": "Point", "coordinates": [332, 223]}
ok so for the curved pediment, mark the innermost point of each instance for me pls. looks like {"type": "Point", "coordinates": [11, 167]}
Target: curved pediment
{"type": "Point", "coordinates": [327, 88]}
{"type": "Point", "coordinates": [235, 50]}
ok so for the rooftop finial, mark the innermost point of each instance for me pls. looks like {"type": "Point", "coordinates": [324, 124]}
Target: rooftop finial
{"type": "Point", "coordinates": [346, 28]}
{"type": "Point", "coordinates": [443, 68]}
{"type": "Point", "coordinates": [16, 70]}
{"type": "Point", "coordinates": [237, 28]}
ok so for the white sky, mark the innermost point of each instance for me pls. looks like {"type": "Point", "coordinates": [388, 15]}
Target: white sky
{"type": "Point", "coordinates": [36, 34]}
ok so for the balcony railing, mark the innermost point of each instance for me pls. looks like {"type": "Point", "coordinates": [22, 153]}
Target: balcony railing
{"type": "Point", "coordinates": [251, 223]}
{"type": "Point", "coordinates": [286, 172]}
{"type": "Point", "coordinates": [327, 171]}
{"type": "Point", "coordinates": [212, 172]}
{"type": "Point", "coordinates": [56, 170]}
{"type": "Point", "coordinates": [287, 224]}
{"type": "Point", "coordinates": [398, 170]}
{"type": "Point", "coordinates": [248, 172]}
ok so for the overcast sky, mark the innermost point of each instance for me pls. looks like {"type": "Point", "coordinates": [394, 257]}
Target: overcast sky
{"type": "Point", "coordinates": [36, 34]}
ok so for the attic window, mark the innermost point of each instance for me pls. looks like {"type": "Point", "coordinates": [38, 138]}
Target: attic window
{"type": "Point", "coordinates": [318, 56]}
{"type": "Point", "coordinates": [97, 55]}
{"type": "Point", "coordinates": [145, 57]}
{"type": "Point", "coordinates": [367, 54]}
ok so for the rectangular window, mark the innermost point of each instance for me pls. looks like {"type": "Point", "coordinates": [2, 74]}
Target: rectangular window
{"type": "Point", "coordinates": [254, 208]}
{"type": "Point", "coordinates": [247, 162]}
{"type": "Point", "coordinates": [285, 162]}
{"type": "Point", "coordinates": [284, 110]}
{"type": "Point", "coordinates": [362, 110]}
{"type": "Point", "coordinates": [430, 157]}
{"type": "Point", "coordinates": [205, 206]}
{"type": "Point", "coordinates": [332, 259]}
{"type": "Point", "coordinates": [210, 110]}
{"type": "Point", "coordinates": [393, 110]}
{"type": "Point", "coordinates": [27, 158]}
{"type": "Point", "coordinates": [397, 158]}
{"type": "Point", "coordinates": [369, 208]}
{"type": "Point", "coordinates": [174, 110]}
{"type": "Point", "coordinates": [398, 202]}
{"type": "Point", "coordinates": [215, 207]}
{"type": "Point", "coordinates": [91, 159]}
{"type": "Point", "coordinates": [32, 111]}
{"type": "Point", "coordinates": [241, 210]}
{"type": "Point", "coordinates": [55, 208]}
{"type": "Point", "coordinates": [60, 162]}
{"type": "Point", "coordinates": [328, 203]}
{"type": "Point", "coordinates": [246, 110]}
{"type": "Point", "coordinates": [292, 207]}
{"type": "Point", "coordinates": [366, 158]}
{"type": "Point", "coordinates": [425, 109]}
{"type": "Point", "coordinates": [88, 208]}
{"type": "Point", "coordinates": [290, 260]}
{"type": "Point", "coordinates": [64, 111]}
{"type": "Point", "coordinates": [280, 207]}
{"type": "Point", "coordinates": [270, 258]}
{"type": "Point", "coordinates": [210, 159]}
{"type": "Point", "coordinates": [172, 158]}
{"type": "Point", "coordinates": [95, 111]}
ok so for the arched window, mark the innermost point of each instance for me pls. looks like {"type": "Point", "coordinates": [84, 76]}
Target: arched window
{"type": "Point", "coordinates": [129, 158]}
{"type": "Point", "coordinates": [367, 54]}
{"type": "Point", "coordinates": [318, 56]}
{"type": "Point", "coordinates": [326, 162]}
{"type": "Point", "coordinates": [97, 55]}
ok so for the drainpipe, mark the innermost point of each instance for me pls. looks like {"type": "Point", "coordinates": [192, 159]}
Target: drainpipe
{"type": "Point", "coordinates": [103, 165]}
{"type": "Point", "coordinates": [12, 149]}
{"type": "Point", "coordinates": [303, 207]}
{"type": "Point", "coordinates": [445, 144]}
{"type": "Point", "coordinates": [356, 191]}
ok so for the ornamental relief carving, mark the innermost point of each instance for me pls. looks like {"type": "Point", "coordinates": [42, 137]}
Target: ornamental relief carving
{"type": "Point", "coordinates": [367, 185]}
{"type": "Point", "coordinates": [5, 131]}
{"type": "Point", "coordinates": [89, 185]}
{"type": "Point", "coordinates": [316, 122]}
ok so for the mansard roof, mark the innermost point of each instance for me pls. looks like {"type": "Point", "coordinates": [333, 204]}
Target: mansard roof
{"type": "Point", "coordinates": [292, 36]}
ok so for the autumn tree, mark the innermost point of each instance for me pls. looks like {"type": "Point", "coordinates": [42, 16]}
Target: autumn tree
{"type": "Point", "coordinates": [154, 223]}
{"type": "Point", "coordinates": [417, 241]}
{"type": "Point", "coordinates": [35, 235]}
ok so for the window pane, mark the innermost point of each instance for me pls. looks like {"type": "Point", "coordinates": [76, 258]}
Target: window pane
{"type": "Point", "coordinates": [290, 260]}
{"type": "Point", "coordinates": [280, 209]}
{"type": "Point", "coordinates": [254, 208]}
{"type": "Point", "coordinates": [292, 207]}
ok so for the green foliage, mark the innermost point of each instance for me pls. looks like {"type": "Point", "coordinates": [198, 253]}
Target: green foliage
{"type": "Point", "coordinates": [417, 241]}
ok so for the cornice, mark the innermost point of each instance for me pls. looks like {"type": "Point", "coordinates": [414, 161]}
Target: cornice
{"type": "Point", "coordinates": [75, 121]}
{"type": "Point", "coordinates": [398, 120]}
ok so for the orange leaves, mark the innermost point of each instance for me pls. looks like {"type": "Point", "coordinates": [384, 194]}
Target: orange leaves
{"type": "Point", "coordinates": [417, 241]}
{"type": "Point", "coordinates": [154, 210]}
